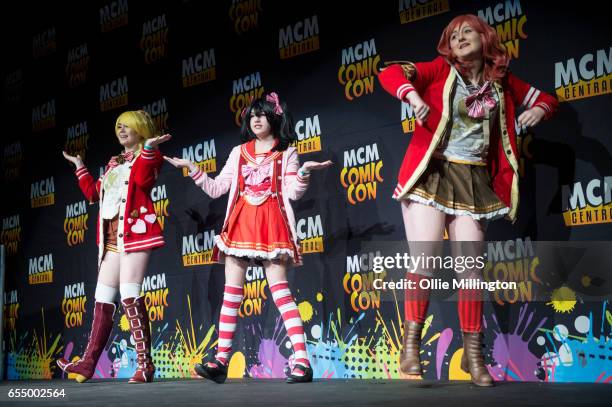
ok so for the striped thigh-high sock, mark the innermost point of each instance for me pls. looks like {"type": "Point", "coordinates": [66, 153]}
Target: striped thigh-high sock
{"type": "Point", "coordinates": [232, 297]}
{"type": "Point", "coordinates": [293, 322]}
{"type": "Point", "coordinates": [416, 299]}
{"type": "Point", "coordinates": [469, 308]}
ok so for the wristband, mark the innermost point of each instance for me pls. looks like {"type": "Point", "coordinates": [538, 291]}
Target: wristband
{"type": "Point", "coordinates": [148, 147]}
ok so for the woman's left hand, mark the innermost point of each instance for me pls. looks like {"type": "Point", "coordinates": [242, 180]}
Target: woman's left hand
{"type": "Point", "coordinates": [531, 117]}
{"type": "Point", "coordinates": [155, 141]}
{"type": "Point", "coordinates": [314, 165]}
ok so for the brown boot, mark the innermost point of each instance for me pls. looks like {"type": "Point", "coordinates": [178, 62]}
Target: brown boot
{"type": "Point", "coordinates": [472, 361]}
{"type": "Point", "coordinates": [410, 361]}
{"type": "Point", "coordinates": [101, 328]}
{"type": "Point", "coordinates": [136, 313]}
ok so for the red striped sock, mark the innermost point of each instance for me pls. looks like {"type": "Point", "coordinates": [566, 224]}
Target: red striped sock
{"type": "Point", "coordinates": [469, 308]}
{"type": "Point", "coordinates": [232, 297]}
{"type": "Point", "coordinates": [416, 300]}
{"type": "Point", "coordinates": [293, 322]}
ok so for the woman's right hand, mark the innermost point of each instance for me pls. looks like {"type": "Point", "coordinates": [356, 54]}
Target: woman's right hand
{"type": "Point", "coordinates": [181, 163]}
{"type": "Point", "coordinates": [77, 161]}
{"type": "Point", "coordinates": [421, 109]}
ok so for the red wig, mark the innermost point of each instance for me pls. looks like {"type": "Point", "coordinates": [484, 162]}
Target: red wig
{"type": "Point", "coordinates": [494, 56]}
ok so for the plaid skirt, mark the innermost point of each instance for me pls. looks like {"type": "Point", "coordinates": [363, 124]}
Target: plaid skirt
{"type": "Point", "coordinates": [458, 189]}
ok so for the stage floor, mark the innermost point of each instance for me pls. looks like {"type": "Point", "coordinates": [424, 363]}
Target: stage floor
{"type": "Point", "coordinates": [276, 393]}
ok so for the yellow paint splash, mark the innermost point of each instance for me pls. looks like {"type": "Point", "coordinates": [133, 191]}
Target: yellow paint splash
{"type": "Point", "coordinates": [319, 297]}
{"type": "Point", "coordinates": [237, 365]}
{"type": "Point", "coordinates": [454, 369]}
{"type": "Point", "coordinates": [562, 299]}
{"type": "Point", "coordinates": [124, 324]}
{"type": "Point", "coordinates": [306, 311]}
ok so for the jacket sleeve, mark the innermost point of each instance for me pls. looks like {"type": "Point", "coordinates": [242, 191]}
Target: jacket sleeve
{"type": "Point", "coordinates": [400, 78]}
{"type": "Point", "coordinates": [215, 187]}
{"type": "Point", "coordinates": [90, 188]}
{"type": "Point", "coordinates": [147, 168]}
{"type": "Point", "coordinates": [295, 185]}
{"type": "Point", "coordinates": [527, 96]}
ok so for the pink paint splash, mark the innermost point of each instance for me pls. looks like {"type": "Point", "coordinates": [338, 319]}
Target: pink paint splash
{"type": "Point", "coordinates": [446, 337]}
{"type": "Point", "coordinates": [515, 362]}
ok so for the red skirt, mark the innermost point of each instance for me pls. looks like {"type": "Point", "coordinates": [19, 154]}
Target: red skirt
{"type": "Point", "coordinates": [257, 232]}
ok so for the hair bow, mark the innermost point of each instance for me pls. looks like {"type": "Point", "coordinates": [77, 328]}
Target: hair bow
{"type": "Point", "coordinates": [273, 98]}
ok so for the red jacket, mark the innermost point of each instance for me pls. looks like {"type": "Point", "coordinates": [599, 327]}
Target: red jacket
{"type": "Point", "coordinates": [138, 226]}
{"type": "Point", "coordinates": [435, 81]}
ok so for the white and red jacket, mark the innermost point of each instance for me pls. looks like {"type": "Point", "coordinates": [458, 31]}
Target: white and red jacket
{"type": "Point", "coordinates": [435, 81]}
{"type": "Point", "coordinates": [288, 185]}
{"type": "Point", "coordinates": [138, 226]}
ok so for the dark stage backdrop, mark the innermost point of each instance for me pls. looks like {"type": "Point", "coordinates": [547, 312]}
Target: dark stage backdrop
{"type": "Point", "coordinates": [193, 65]}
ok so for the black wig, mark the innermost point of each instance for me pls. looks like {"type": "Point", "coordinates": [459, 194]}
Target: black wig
{"type": "Point", "coordinates": [282, 124]}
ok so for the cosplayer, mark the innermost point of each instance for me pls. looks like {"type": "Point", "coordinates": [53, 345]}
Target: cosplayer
{"type": "Point", "coordinates": [127, 231]}
{"type": "Point", "coordinates": [461, 168]}
{"type": "Point", "coordinates": [262, 175]}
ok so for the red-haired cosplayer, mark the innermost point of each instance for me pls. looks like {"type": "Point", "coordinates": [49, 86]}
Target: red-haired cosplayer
{"type": "Point", "coordinates": [127, 232]}
{"type": "Point", "coordinates": [461, 167]}
{"type": "Point", "coordinates": [262, 176]}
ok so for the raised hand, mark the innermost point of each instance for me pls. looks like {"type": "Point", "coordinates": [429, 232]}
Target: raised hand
{"type": "Point", "coordinates": [155, 141]}
{"type": "Point", "coordinates": [181, 163]}
{"type": "Point", "coordinates": [314, 165]}
{"type": "Point", "coordinates": [531, 117]}
{"type": "Point", "coordinates": [77, 161]}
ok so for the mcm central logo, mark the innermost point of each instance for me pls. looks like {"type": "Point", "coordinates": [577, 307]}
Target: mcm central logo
{"type": "Point", "coordinates": [509, 21]}
{"type": "Point", "coordinates": [114, 94]}
{"type": "Point", "coordinates": [198, 248]}
{"type": "Point", "coordinates": [310, 233]}
{"type": "Point", "coordinates": [590, 75]}
{"type": "Point", "coordinates": [308, 132]}
{"type": "Point", "coordinates": [358, 69]}
{"type": "Point", "coordinates": [361, 173]}
{"type": "Point", "coordinates": [154, 40]}
{"type": "Point", "coordinates": [408, 118]}
{"type": "Point", "coordinates": [199, 68]}
{"type": "Point", "coordinates": [203, 155]}
{"type": "Point", "coordinates": [40, 269]}
{"type": "Point", "coordinates": [244, 90]}
{"type": "Point", "coordinates": [42, 193]}
{"type": "Point", "coordinates": [11, 234]}
{"type": "Point", "coordinates": [158, 111]}
{"type": "Point", "coordinates": [44, 43]}
{"type": "Point", "coordinates": [43, 116]}
{"type": "Point", "coordinates": [588, 203]}
{"type": "Point", "coordinates": [299, 38]}
{"type": "Point", "coordinates": [413, 10]}
{"type": "Point", "coordinates": [77, 65]}
{"type": "Point", "coordinates": [113, 15]}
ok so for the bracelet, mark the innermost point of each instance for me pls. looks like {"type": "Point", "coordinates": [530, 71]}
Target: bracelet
{"type": "Point", "coordinates": [303, 173]}
{"type": "Point", "coordinates": [147, 147]}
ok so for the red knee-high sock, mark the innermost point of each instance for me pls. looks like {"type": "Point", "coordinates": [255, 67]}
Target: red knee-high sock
{"type": "Point", "coordinates": [469, 308]}
{"type": "Point", "coordinates": [416, 300]}
{"type": "Point", "coordinates": [232, 297]}
{"type": "Point", "coordinates": [292, 319]}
